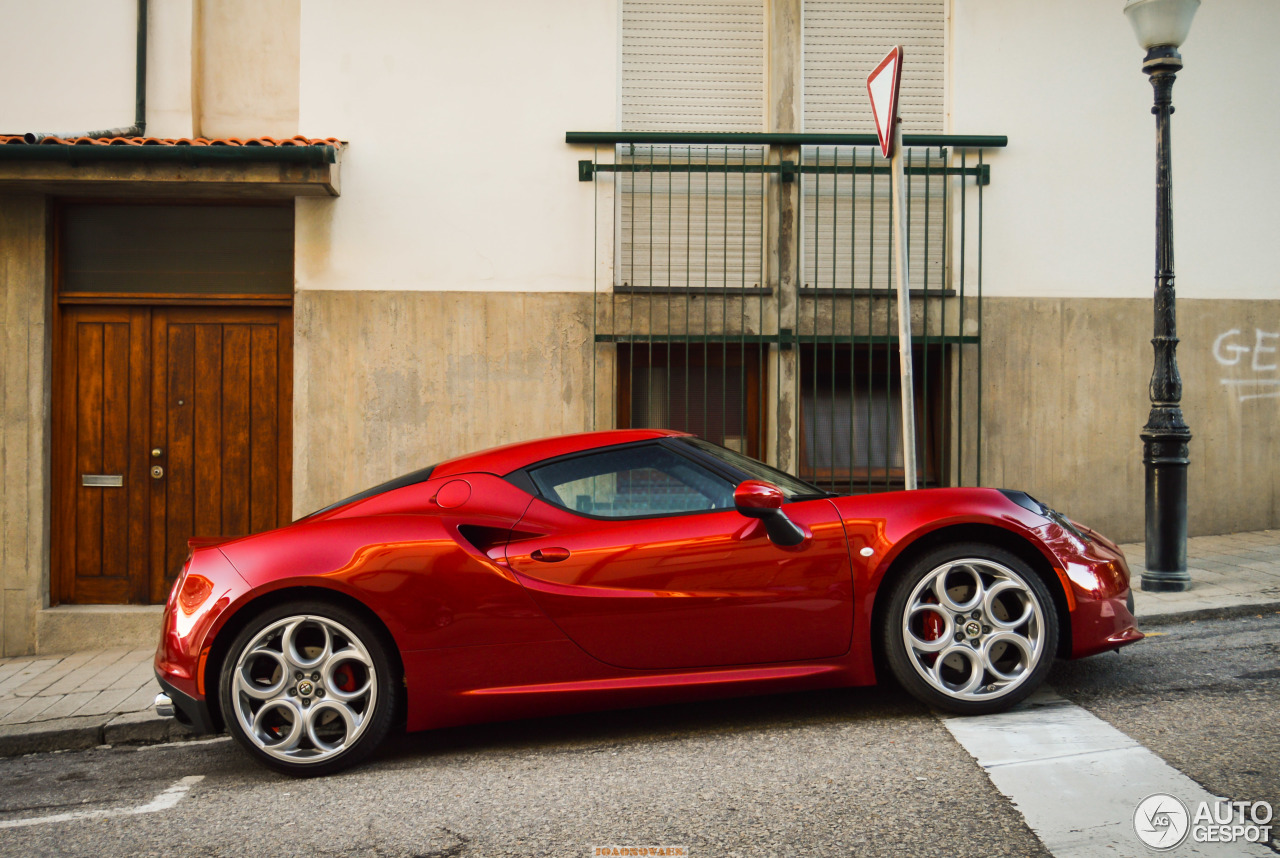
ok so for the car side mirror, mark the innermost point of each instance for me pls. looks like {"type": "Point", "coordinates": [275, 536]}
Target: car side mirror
{"type": "Point", "coordinates": [758, 499]}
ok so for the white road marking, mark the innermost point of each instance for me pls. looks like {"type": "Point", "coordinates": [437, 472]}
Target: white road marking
{"type": "Point", "coordinates": [1077, 780]}
{"type": "Point", "coordinates": [164, 801]}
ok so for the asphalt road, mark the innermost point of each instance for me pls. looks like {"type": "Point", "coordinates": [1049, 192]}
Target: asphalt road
{"type": "Point", "coordinates": [865, 772]}
{"type": "Point", "coordinates": [1205, 696]}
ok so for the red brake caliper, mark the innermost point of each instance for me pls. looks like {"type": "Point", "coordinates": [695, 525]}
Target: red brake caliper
{"type": "Point", "coordinates": [932, 630]}
{"type": "Point", "coordinates": [344, 677]}
{"type": "Point", "coordinates": [932, 626]}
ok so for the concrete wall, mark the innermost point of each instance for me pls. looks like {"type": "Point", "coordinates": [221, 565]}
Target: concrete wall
{"type": "Point", "coordinates": [1065, 396]}
{"type": "Point", "coordinates": [1069, 246]}
{"type": "Point", "coordinates": [387, 382]}
{"type": "Point", "coordinates": [24, 424]}
{"type": "Point", "coordinates": [391, 381]}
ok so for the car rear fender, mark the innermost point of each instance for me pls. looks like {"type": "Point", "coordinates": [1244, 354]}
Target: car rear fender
{"type": "Point", "coordinates": [233, 621]}
{"type": "Point", "coordinates": [430, 585]}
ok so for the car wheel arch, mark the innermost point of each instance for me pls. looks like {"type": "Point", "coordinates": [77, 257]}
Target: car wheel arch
{"type": "Point", "coordinates": [990, 534]}
{"type": "Point", "coordinates": [254, 608]}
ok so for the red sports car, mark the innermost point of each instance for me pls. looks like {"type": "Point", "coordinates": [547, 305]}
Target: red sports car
{"type": "Point", "coordinates": [613, 569]}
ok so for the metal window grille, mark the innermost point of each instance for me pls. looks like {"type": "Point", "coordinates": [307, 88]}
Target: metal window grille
{"type": "Point", "coordinates": [689, 219]}
{"type": "Point", "coordinates": [794, 365]}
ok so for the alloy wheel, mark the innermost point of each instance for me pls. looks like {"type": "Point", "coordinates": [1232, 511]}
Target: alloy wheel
{"type": "Point", "coordinates": [304, 689]}
{"type": "Point", "coordinates": [974, 629]}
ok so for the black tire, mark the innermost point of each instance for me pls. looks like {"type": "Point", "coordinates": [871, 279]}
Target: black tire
{"type": "Point", "coordinates": [293, 723]}
{"type": "Point", "coordinates": [993, 664]}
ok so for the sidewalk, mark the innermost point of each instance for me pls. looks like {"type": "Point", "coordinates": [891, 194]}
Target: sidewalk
{"type": "Point", "coordinates": [80, 700]}
{"type": "Point", "coordinates": [85, 699]}
{"type": "Point", "coordinates": [1230, 575]}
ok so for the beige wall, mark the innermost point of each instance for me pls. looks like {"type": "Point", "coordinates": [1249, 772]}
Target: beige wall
{"type": "Point", "coordinates": [219, 68]}
{"type": "Point", "coordinates": [245, 79]}
{"type": "Point", "coordinates": [1065, 396]}
{"type": "Point", "coordinates": [169, 82]}
{"type": "Point", "coordinates": [24, 427]}
{"type": "Point", "coordinates": [390, 381]}
{"type": "Point", "coordinates": [458, 177]}
{"type": "Point", "coordinates": [444, 301]}
{"type": "Point", "coordinates": [1071, 207]}
{"type": "Point", "coordinates": [466, 104]}
{"type": "Point", "coordinates": [387, 382]}
{"type": "Point", "coordinates": [68, 65]}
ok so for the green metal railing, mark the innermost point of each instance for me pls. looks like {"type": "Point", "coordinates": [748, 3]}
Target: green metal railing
{"type": "Point", "coordinates": [752, 301]}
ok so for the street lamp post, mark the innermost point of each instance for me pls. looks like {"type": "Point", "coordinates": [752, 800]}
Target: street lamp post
{"type": "Point", "coordinates": [1161, 26]}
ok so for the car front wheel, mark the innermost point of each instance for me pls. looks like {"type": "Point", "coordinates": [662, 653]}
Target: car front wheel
{"type": "Point", "coordinates": [970, 629]}
{"type": "Point", "coordinates": [308, 689]}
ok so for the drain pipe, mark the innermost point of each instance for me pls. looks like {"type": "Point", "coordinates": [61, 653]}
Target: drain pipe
{"type": "Point", "coordinates": [139, 126]}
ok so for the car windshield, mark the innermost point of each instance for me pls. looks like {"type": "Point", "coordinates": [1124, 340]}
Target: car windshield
{"type": "Point", "coordinates": [792, 487]}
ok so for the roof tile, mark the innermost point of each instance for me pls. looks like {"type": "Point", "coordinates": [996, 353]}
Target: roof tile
{"type": "Point", "coordinates": [19, 140]}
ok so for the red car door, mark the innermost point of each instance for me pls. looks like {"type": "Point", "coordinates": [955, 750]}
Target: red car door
{"type": "Point", "coordinates": [639, 557]}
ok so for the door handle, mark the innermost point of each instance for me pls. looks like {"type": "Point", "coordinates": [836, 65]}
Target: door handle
{"type": "Point", "coordinates": [550, 555]}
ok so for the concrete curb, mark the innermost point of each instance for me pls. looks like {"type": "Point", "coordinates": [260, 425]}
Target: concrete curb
{"type": "Point", "coordinates": [143, 728]}
{"type": "Point", "coordinates": [1223, 612]}
{"type": "Point", "coordinates": [90, 731]}
{"type": "Point", "coordinates": [60, 734]}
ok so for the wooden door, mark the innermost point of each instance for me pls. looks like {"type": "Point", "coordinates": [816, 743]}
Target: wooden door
{"type": "Point", "coordinates": [222, 392]}
{"type": "Point", "coordinates": [101, 492]}
{"type": "Point", "coordinates": [190, 407]}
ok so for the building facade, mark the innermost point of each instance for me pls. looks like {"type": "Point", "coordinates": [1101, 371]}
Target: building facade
{"type": "Point", "coordinates": [355, 239]}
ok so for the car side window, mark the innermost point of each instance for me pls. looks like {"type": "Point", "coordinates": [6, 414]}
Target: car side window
{"type": "Point", "coordinates": [632, 482]}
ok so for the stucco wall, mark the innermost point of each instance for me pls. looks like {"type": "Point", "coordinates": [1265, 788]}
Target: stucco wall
{"type": "Point", "coordinates": [68, 66]}
{"type": "Point", "coordinates": [24, 427]}
{"type": "Point", "coordinates": [245, 69]}
{"type": "Point", "coordinates": [214, 67]}
{"type": "Point", "coordinates": [1065, 396]}
{"type": "Point", "coordinates": [1071, 207]}
{"type": "Point", "coordinates": [458, 176]}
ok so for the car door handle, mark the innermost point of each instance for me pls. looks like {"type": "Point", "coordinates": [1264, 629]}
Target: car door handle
{"type": "Point", "coordinates": [550, 555]}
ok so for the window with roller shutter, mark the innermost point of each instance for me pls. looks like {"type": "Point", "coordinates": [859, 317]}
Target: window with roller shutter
{"type": "Point", "coordinates": [693, 66]}
{"type": "Point", "coordinates": [701, 228]}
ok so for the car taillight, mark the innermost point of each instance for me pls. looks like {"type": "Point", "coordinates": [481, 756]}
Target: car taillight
{"type": "Point", "coordinates": [195, 590]}
{"type": "Point", "coordinates": [178, 582]}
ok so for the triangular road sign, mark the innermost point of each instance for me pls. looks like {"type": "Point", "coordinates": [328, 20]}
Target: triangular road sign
{"type": "Point", "coordinates": [882, 87]}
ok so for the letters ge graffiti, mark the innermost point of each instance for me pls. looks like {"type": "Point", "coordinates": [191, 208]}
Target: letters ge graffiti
{"type": "Point", "coordinates": [1257, 353]}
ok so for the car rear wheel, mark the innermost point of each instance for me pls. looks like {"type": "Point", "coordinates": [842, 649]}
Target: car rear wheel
{"type": "Point", "coordinates": [970, 629]}
{"type": "Point", "coordinates": [307, 688]}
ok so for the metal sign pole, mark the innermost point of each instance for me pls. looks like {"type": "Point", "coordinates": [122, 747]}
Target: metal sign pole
{"type": "Point", "coordinates": [902, 281]}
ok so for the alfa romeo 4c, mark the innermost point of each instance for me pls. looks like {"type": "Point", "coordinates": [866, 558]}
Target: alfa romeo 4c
{"type": "Point", "coordinates": [614, 569]}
